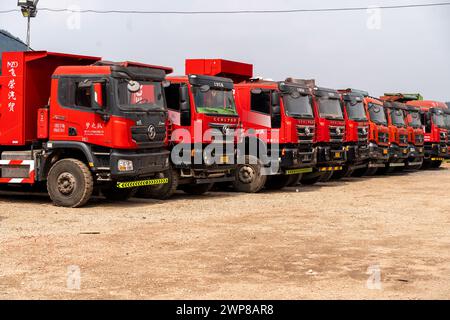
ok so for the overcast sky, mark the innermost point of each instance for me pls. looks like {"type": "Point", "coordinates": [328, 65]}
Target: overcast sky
{"type": "Point", "coordinates": [410, 51]}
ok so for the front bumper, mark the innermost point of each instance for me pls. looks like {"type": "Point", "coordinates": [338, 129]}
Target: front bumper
{"type": "Point", "coordinates": [378, 153]}
{"type": "Point", "coordinates": [436, 151]}
{"type": "Point", "coordinates": [415, 152]}
{"type": "Point", "coordinates": [297, 158]}
{"type": "Point", "coordinates": [328, 156]}
{"type": "Point", "coordinates": [397, 153]}
{"type": "Point", "coordinates": [357, 154]}
{"type": "Point", "coordinates": [144, 164]}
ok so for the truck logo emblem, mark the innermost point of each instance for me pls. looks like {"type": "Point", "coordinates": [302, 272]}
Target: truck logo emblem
{"type": "Point", "coordinates": [307, 131]}
{"type": "Point", "coordinates": [151, 132]}
{"type": "Point", "coordinates": [338, 131]}
{"type": "Point", "coordinates": [226, 129]}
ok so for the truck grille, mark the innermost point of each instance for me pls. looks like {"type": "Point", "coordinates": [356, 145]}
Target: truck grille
{"type": "Point", "coordinates": [383, 137]}
{"type": "Point", "coordinates": [337, 134]}
{"type": "Point", "coordinates": [419, 140]}
{"type": "Point", "coordinates": [363, 133]}
{"type": "Point", "coordinates": [403, 139]}
{"type": "Point", "coordinates": [305, 134]}
{"type": "Point", "coordinates": [140, 134]}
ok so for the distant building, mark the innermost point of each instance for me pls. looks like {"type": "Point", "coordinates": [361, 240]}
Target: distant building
{"type": "Point", "coordinates": [10, 43]}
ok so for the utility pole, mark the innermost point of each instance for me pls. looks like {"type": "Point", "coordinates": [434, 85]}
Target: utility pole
{"type": "Point", "coordinates": [29, 10]}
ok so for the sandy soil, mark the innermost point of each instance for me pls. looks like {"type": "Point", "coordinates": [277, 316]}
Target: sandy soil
{"type": "Point", "coordinates": [308, 242]}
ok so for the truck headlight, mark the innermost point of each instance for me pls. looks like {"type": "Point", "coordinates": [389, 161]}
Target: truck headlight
{"type": "Point", "coordinates": [125, 165]}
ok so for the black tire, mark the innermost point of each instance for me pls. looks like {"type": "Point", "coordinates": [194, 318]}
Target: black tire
{"type": "Point", "coordinates": [386, 170]}
{"type": "Point", "coordinates": [294, 180]}
{"type": "Point", "coordinates": [415, 167]}
{"type": "Point", "coordinates": [426, 165]}
{"type": "Point", "coordinates": [115, 194]}
{"type": "Point", "coordinates": [436, 164]}
{"type": "Point", "coordinates": [197, 189]}
{"type": "Point", "coordinates": [249, 177]}
{"type": "Point", "coordinates": [358, 173]}
{"type": "Point", "coordinates": [371, 171]}
{"type": "Point", "coordinates": [326, 176]}
{"type": "Point", "coordinates": [70, 183]}
{"type": "Point", "coordinates": [161, 191]}
{"type": "Point", "coordinates": [277, 182]}
{"type": "Point", "coordinates": [310, 179]}
{"type": "Point", "coordinates": [340, 174]}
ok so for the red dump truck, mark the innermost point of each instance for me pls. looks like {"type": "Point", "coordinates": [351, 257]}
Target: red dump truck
{"type": "Point", "coordinates": [378, 135]}
{"type": "Point", "coordinates": [436, 134]}
{"type": "Point", "coordinates": [76, 123]}
{"type": "Point", "coordinates": [330, 132]}
{"type": "Point", "coordinates": [203, 123]}
{"type": "Point", "coordinates": [277, 119]}
{"type": "Point", "coordinates": [356, 140]}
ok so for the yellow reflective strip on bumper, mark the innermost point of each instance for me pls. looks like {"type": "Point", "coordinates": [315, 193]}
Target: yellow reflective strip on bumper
{"type": "Point", "coordinates": [297, 171]}
{"type": "Point", "coordinates": [142, 183]}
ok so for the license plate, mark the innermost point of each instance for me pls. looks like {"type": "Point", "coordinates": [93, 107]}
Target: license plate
{"type": "Point", "coordinates": [224, 159]}
{"type": "Point", "coordinates": [385, 151]}
{"type": "Point", "coordinates": [405, 151]}
{"type": "Point", "coordinates": [337, 155]}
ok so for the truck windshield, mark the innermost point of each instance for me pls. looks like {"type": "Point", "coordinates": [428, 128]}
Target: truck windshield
{"type": "Point", "coordinates": [330, 108]}
{"type": "Point", "coordinates": [447, 120]}
{"type": "Point", "coordinates": [377, 115]}
{"type": "Point", "coordinates": [148, 97]}
{"type": "Point", "coordinates": [214, 101]}
{"type": "Point", "coordinates": [414, 119]}
{"type": "Point", "coordinates": [298, 106]}
{"type": "Point", "coordinates": [356, 111]}
{"type": "Point", "coordinates": [438, 119]}
{"type": "Point", "coordinates": [397, 117]}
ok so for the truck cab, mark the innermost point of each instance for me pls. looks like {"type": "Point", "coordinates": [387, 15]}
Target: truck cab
{"type": "Point", "coordinates": [276, 143]}
{"type": "Point", "coordinates": [447, 125]}
{"type": "Point", "coordinates": [416, 138]}
{"type": "Point", "coordinates": [77, 123]}
{"type": "Point", "coordinates": [356, 140]}
{"type": "Point", "coordinates": [203, 122]}
{"type": "Point", "coordinates": [378, 135]}
{"type": "Point", "coordinates": [436, 134]}
{"type": "Point", "coordinates": [398, 136]}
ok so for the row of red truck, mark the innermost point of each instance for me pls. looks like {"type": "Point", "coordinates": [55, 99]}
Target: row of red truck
{"type": "Point", "coordinates": [78, 126]}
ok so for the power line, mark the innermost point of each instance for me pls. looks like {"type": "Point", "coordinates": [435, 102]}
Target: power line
{"type": "Point", "coordinates": [234, 11]}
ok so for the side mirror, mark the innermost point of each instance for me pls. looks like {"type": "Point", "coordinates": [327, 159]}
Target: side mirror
{"type": "Point", "coordinates": [185, 110]}
{"type": "Point", "coordinates": [276, 109]}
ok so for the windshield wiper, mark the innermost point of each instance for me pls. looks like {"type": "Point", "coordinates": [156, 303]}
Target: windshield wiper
{"type": "Point", "coordinates": [301, 115]}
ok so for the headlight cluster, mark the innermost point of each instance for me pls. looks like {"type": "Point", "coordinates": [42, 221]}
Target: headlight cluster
{"type": "Point", "coordinates": [125, 165]}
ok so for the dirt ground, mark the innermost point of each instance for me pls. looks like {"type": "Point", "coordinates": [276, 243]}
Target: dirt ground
{"type": "Point", "coordinates": [329, 241]}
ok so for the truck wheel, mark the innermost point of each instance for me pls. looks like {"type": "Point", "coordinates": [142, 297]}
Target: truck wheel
{"type": "Point", "coordinates": [70, 183]}
{"type": "Point", "coordinates": [371, 171]}
{"type": "Point", "coordinates": [161, 191]}
{"type": "Point", "coordinates": [115, 194]}
{"type": "Point", "coordinates": [277, 182]}
{"type": "Point", "coordinates": [385, 170]}
{"type": "Point", "coordinates": [310, 178]}
{"type": "Point", "coordinates": [345, 172]}
{"type": "Point", "coordinates": [436, 164]}
{"type": "Point", "coordinates": [249, 177]}
{"type": "Point", "coordinates": [197, 189]}
{"type": "Point", "coordinates": [294, 180]}
{"type": "Point", "coordinates": [325, 177]}
{"type": "Point", "coordinates": [358, 173]}
{"type": "Point", "coordinates": [426, 164]}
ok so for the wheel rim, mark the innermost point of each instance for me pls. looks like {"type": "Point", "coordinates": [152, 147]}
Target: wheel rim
{"type": "Point", "coordinates": [246, 174]}
{"type": "Point", "coordinates": [66, 183]}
